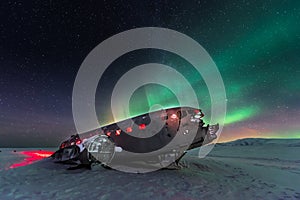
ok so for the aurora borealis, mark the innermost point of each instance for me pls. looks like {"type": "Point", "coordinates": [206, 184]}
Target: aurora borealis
{"type": "Point", "coordinates": [255, 45]}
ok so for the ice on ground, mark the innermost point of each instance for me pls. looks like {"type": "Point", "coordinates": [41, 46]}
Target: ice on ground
{"type": "Point", "coordinates": [266, 169]}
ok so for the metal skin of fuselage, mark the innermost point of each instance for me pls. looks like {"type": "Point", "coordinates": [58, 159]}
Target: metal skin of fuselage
{"type": "Point", "coordinates": [147, 139]}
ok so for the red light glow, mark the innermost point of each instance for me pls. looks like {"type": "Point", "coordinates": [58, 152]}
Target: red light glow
{"type": "Point", "coordinates": [108, 134]}
{"type": "Point", "coordinates": [173, 116]}
{"type": "Point", "coordinates": [142, 126]}
{"type": "Point", "coordinates": [118, 132]}
{"type": "Point", "coordinates": [78, 142]}
{"type": "Point", "coordinates": [31, 157]}
{"type": "Point", "coordinates": [129, 130]}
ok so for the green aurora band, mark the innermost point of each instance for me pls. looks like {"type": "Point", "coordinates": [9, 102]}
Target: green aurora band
{"type": "Point", "coordinates": [253, 68]}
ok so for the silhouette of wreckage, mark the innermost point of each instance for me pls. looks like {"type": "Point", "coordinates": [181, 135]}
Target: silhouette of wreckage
{"type": "Point", "coordinates": [156, 138]}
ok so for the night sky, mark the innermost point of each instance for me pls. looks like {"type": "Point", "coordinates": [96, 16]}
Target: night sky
{"type": "Point", "coordinates": [255, 44]}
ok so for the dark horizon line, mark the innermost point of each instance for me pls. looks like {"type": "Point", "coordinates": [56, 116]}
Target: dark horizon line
{"type": "Point", "coordinates": [46, 146]}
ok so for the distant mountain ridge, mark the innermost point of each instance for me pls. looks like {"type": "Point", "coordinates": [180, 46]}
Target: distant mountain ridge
{"type": "Point", "coordinates": [262, 141]}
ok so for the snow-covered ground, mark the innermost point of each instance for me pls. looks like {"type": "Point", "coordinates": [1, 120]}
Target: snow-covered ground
{"type": "Point", "coordinates": [244, 169]}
